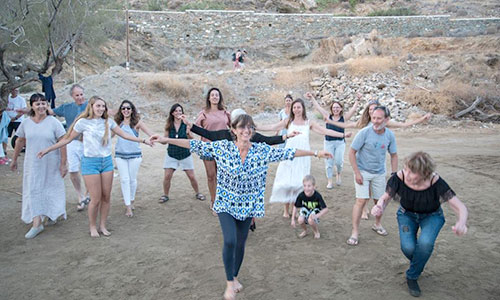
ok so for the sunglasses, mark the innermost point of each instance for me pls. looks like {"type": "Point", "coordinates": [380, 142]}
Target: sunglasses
{"type": "Point", "coordinates": [126, 108]}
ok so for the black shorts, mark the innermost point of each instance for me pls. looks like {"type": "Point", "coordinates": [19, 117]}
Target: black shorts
{"type": "Point", "coordinates": [12, 126]}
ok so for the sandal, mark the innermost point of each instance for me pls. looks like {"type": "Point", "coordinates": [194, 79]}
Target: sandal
{"type": "Point", "coordinates": [200, 197]}
{"type": "Point", "coordinates": [379, 230]}
{"type": "Point", "coordinates": [163, 199]}
{"type": "Point", "coordinates": [352, 241]}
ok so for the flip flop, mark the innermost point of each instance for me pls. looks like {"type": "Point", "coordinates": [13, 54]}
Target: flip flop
{"type": "Point", "coordinates": [352, 241]}
{"type": "Point", "coordinates": [163, 199]}
{"type": "Point", "coordinates": [200, 197]}
{"type": "Point", "coordinates": [379, 230]}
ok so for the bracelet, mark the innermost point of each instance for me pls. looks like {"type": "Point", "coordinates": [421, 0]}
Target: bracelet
{"type": "Point", "coordinates": [316, 153]}
{"type": "Point", "coordinates": [144, 140]}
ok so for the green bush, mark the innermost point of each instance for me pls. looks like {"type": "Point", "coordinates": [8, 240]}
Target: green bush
{"type": "Point", "coordinates": [203, 5]}
{"type": "Point", "coordinates": [322, 4]}
{"type": "Point", "coordinates": [155, 5]}
{"type": "Point", "coordinates": [393, 12]}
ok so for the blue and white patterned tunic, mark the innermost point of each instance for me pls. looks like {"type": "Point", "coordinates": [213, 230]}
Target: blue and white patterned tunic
{"type": "Point", "coordinates": [241, 186]}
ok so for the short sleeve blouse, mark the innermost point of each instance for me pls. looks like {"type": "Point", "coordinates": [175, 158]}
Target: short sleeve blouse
{"type": "Point", "coordinates": [424, 201]}
{"type": "Point", "coordinates": [241, 185]}
{"type": "Point", "coordinates": [214, 120]}
{"type": "Point", "coordinates": [93, 132]}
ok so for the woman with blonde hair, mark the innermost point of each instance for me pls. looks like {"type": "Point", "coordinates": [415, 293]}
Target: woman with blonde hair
{"type": "Point", "coordinates": [97, 164]}
{"type": "Point", "coordinates": [420, 192]}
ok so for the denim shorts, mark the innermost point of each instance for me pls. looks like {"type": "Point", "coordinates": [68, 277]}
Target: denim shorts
{"type": "Point", "coordinates": [96, 165]}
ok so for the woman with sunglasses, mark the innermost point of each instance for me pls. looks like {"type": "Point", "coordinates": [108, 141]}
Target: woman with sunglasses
{"type": "Point", "coordinates": [128, 154]}
{"type": "Point", "coordinates": [241, 182]}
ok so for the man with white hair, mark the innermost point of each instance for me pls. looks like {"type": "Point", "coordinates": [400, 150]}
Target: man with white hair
{"type": "Point", "coordinates": [69, 111]}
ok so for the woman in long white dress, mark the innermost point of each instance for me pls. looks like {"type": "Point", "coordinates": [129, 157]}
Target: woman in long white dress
{"type": "Point", "coordinates": [288, 181]}
{"type": "Point", "coordinates": [43, 184]}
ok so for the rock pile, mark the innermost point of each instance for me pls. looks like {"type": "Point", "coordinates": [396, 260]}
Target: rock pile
{"type": "Point", "coordinates": [377, 86]}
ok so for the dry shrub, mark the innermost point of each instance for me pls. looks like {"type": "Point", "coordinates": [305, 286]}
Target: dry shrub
{"type": "Point", "coordinates": [449, 97]}
{"type": "Point", "coordinates": [370, 64]}
{"type": "Point", "coordinates": [291, 79]}
{"type": "Point", "coordinates": [166, 84]}
{"type": "Point", "coordinates": [332, 70]}
{"type": "Point", "coordinates": [274, 99]}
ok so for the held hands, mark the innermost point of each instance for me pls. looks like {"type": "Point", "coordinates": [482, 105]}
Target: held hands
{"type": "Point", "coordinates": [427, 117]}
{"type": "Point", "coordinates": [459, 228]}
{"type": "Point", "coordinates": [290, 135]}
{"type": "Point", "coordinates": [157, 138]}
{"type": "Point", "coordinates": [347, 135]}
{"type": "Point", "coordinates": [377, 210]}
{"type": "Point", "coordinates": [324, 154]}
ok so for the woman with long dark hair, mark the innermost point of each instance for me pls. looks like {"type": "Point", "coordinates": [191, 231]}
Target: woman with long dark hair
{"type": "Point", "coordinates": [334, 145]}
{"type": "Point", "coordinates": [43, 184]}
{"type": "Point", "coordinates": [241, 186]}
{"type": "Point", "coordinates": [213, 117]}
{"type": "Point", "coordinates": [288, 181]}
{"type": "Point", "coordinates": [177, 157]}
{"type": "Point", "coordinates": [97, 164]}
{"type": "Point", "coordinates": [128, 154]}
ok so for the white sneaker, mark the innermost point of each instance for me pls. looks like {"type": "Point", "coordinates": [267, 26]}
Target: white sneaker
{"type": "Point", "coordinates": [34, 231]}
{"type": "Point", "coordinates": [329, 186]}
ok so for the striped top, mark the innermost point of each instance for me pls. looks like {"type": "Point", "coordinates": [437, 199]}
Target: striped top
{"type": "Point", "coordinates": [126, 149]}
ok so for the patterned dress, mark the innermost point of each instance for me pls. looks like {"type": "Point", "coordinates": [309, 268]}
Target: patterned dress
{"type": "Point", "coordinates": [241, 185]}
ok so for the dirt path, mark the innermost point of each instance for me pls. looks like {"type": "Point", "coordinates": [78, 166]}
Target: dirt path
{"type": "Point", "coordinates": [173, 250]}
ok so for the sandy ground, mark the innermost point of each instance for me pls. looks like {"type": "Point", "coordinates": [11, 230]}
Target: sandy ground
{"type": "Point", "coordinates": [173, 250]}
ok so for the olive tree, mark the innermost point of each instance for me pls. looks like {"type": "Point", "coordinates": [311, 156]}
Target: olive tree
{"type": "Point", "coordinates": [37, 35]}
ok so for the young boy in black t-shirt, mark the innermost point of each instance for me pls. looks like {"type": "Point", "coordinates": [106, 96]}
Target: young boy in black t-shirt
{"type": "Point", "coordinates": [311, 207]}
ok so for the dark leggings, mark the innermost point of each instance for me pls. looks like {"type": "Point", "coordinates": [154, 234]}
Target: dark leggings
{"type": "Point", "coordinates": [235, 234]}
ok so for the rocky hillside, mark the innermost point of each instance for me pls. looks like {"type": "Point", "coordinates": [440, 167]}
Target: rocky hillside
{"type": "Point", "coordinates": [455, 8]}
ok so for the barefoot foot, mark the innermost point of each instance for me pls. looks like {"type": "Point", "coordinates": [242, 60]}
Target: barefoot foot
{"type": "Point", "coordinates": [303, 234]}
{"type": "Point", "coordinates": [317, 235]}
{"type": "Point", "coordinates": [129, 212]}
{"type": "Point", "coordinates": [229, 294]}
{"type": "Point", "coordinates": [105, 232]}
{"type": "Point", "coordinates": [237, 287]}
{"type": "Point", "coordinates": [94, 233]}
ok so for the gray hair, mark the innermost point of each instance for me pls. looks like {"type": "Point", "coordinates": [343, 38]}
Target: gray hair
{"type": "Point", "coordinates": [74, 86]}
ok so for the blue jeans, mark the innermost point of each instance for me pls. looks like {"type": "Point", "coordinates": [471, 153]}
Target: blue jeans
{"type": "Point", "coordinates": [418, 250]}
{"type": "Point", "coordinates": [337, 149]}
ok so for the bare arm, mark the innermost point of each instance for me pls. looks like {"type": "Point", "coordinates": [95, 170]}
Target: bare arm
{"type": "Point", "coordinates": [460, 210]}
{"type": "Point", "coordinates": [129, 137]}
{"type": "Point", "coordinates": [316, 105]}
{"type": "Point", "coordinates": [352, 111]}
{"type": "Point", "coordinates": [63, 167]}
{"type": "Point", "coordinates": [20, 143]}
{"type": "Point", "coordinates": [142, 126]}
{"type": "Point", "coordinates": [394, 162]}
{"type": "Point", "coordinates": [62, 142]}
{"type": "Point", "coordinates": [394, 124]}
{"type": "Point", "coordinates": [184, 143]}
{"type": "Point", "coordinates": [322, 212]}
{"type": "Point", "coordinates": [320, 154]}
{"type": "Point", "coordinates": [354, 165]}
{"type": "Point", "coordinates": [273, 127]}
{"type": "Point", "coordinates": [342, 124]}
{"type": "Point", "coordinates": [322, 130]}
{"type": "Point", "coordinates": [378, 209]}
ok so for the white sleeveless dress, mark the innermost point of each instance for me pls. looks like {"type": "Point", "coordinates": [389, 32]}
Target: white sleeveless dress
{"type": "Point", "coordinates": [288, 181]}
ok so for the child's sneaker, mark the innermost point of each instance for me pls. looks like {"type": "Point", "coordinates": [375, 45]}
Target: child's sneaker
{"type": "Point", "coordinates": [4, 161]}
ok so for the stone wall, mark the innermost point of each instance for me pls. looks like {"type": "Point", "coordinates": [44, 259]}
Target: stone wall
{"type": "Point", "coordinates": [239, 28]}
